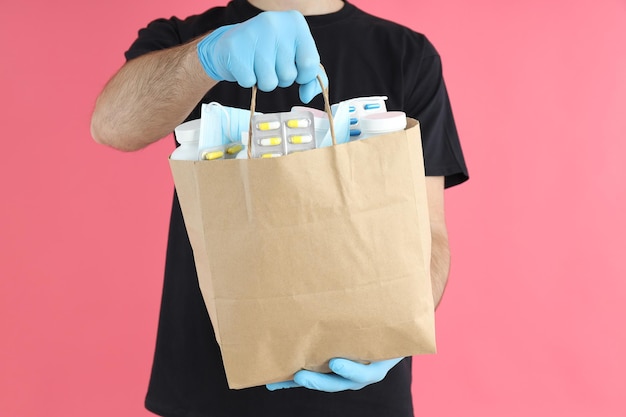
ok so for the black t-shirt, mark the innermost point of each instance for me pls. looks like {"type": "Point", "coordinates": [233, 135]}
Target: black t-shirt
{"type": "Point", "coordinates": [363, 56]}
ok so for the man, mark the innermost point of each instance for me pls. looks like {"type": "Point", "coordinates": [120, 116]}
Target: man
{"type": "Point", "coordinates": [217, 56]}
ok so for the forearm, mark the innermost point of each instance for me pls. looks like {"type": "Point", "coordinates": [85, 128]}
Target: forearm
{"type": "Point", "coordinates": [148, 97]}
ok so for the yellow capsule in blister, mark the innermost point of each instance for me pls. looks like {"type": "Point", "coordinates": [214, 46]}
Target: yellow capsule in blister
{"type": "Point", "coordinates": [234, 149]}
{"type": "Point", "coordinates": [271, 125]}
{"type": "Point", "coordinates": [271, 155]}
{"type": "Point", "coordinates": [300, 139]}
{"type": "Point", "coordinates": [294, 123]}
{"type": "Point", "coordinates": [211, 155]}
{"type": "Point", "coordinates": [276, 140]}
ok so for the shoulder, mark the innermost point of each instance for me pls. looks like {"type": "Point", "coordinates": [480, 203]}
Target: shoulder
{"type": "Point", "coordinates": [390, 33]}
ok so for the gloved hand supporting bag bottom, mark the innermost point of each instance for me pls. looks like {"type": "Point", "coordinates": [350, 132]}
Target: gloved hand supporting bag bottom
{"type": "Point", "coordinates": [346, 375]}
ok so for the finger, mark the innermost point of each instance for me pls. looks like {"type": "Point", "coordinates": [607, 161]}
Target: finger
{"type": "Point", "coordinates": [282, 385]}
{"type": "Point", "coordinates": [286, 70]}
{"type": "Point", "coordinates": [309, 91]}
{"type": "Point", "coordinates": [365, 374]}
{"type": "Point", "coordinates": [324, 382]}
{"type": "Point", "coordinates": [307, 66]}
{"type": "Point", "coordinates": [306, 54]}
{"type": "Point", "coordinates": [242, 70]}
{"type": "Point", "coordinates": [265, 68]}
{"type": "Point", "coordinates": [351, 370]}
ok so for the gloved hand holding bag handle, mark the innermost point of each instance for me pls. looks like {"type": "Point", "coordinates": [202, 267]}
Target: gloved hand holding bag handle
{"type": "Point", "coordinates": [272, 49]}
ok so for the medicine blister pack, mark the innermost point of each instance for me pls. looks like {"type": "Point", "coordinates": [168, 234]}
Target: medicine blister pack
{"type": "Point", "coordinates": [278, 134]}
{"type": "Point", "coordinates": [226, 151]}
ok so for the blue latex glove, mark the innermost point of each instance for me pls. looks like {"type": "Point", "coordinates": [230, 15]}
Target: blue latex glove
{"type": "Point", "coordinates": [273, 49]}
{"type": "Point", "coordinates": [347, 375]}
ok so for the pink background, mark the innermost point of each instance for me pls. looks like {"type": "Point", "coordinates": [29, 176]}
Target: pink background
{"type": "Point", "coordinates": [532, 322]}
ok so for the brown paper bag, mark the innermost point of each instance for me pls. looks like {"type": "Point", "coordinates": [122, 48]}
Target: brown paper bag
{"type": "Point", "coordinates": [313, 255]}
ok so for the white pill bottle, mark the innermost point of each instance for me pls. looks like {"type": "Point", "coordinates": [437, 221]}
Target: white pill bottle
{"type": "Point", "coordinates": [188, 136]}
{"type": "Point", "coordinates": [380, 123]}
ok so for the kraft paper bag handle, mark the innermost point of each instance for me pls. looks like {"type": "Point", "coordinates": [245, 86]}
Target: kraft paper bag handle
{"type": "Point", "coordinates": [326, 108]}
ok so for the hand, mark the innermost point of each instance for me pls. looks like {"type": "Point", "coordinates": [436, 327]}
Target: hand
{"type": "Point", "coordinates": [347, 375]}
{"type": "Point", "coordinates": [273, 49]}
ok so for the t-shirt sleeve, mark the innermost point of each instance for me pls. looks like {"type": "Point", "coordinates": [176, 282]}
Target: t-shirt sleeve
{"type": "Point", "coordinates": [159, 34]}
{"type": "Point", "coordinates": [429, 103]}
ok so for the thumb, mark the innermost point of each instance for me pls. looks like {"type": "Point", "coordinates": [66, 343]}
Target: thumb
{"type": "Point", "coordinates": [311, 89]}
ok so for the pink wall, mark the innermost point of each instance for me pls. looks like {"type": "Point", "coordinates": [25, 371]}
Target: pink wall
{"type": "Point", "coordinates": [532, 322]}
